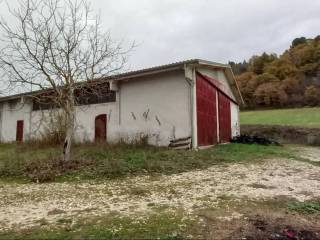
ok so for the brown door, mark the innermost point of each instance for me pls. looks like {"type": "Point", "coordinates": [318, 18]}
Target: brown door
{"type": "Point", "coordinates": [19, 131]}
{"type": "Point", "coordinates": [101, 128]}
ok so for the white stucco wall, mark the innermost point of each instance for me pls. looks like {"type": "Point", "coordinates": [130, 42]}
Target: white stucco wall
{"type": "Point", "coordinates": [10, 114]}
{"type": "Point", "coordinates": [235, 121]}
{"type": "Point", "coordinates": [158, 106]}
{"type": "Point", "coordinates": [85, 121]}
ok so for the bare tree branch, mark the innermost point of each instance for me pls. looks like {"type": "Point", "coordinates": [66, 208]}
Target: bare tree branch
{"type": "Point", "coordinates": [56, 44]}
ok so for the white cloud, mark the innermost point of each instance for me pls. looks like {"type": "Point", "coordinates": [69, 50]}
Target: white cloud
{"type": "Point", "coordinates": [217, 30]}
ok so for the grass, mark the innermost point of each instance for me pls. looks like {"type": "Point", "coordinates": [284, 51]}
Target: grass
{"type": "Point", "coordinates": [174, 224]}
{"type": "Point", "coordinates": [309, 207]}
{"type": "Point", "coordinates": [165, 225]}
{"type": "Point", "coordinates": [304, 117]}
{"type": "Point", "coordinates": [103, 161]}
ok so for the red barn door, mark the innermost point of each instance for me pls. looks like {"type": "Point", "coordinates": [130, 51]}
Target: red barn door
{"type": "Point", "coordinates": [224, 118]}
{"type": "Point", "coordinates": [101, 128]}
{"type": "Point", "coordinates": [206, 112]}
{"type": "Point", "coordinates": [19, 131]}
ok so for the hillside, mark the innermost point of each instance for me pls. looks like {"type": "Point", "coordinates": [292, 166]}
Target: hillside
{"type": "Point", "coordinates": [289, 80]}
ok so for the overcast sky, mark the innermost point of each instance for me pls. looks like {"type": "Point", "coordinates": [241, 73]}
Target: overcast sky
{"type": "Point", "coordinates": [216, 30]}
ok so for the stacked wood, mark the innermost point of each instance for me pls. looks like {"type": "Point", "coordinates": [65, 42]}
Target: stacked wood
{"type": "Point", "coordinates": [181, 143]}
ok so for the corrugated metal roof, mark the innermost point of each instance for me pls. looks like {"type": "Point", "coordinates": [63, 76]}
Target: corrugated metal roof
{"type": "Point", "coordinates": [136, 73]}
{"type": "Point", "coordinates": [168, 67]}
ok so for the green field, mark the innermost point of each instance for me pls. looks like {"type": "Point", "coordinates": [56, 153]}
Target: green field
{"type": "Point", "coordinates": [304, 117]}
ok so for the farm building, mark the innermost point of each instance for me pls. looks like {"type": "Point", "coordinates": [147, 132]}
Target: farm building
{"type": "Point", "coordinates": [192, 102]}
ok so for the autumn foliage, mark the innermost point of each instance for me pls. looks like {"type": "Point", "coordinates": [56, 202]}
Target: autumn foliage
{"type": "Point", "coordinates": [289, 80]}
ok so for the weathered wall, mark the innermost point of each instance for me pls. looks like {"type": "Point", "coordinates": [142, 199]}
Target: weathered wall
{"type": "Point", "coordinates": [11, 113]}
{"type": "Point", "coordinates": [85, 121]}
{"type": "Point", "coordinates": [158, 106]}
{"type": "Point", "coordinates": [1, 114]}
{"type": "Point", "coordinates": [235, 121]}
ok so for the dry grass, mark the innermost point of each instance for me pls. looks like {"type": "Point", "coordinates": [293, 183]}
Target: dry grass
{"type": "Point", "coordinates": [90, 161]}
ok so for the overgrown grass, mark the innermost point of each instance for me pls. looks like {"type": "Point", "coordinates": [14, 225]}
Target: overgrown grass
{"type": "Point", "coordinates": [309, 207]}
{"type": "Point", "coordinates": [304, 117]}
{"type": "Point", "coordinates": [103, 161]}
{"type": "Point", "coordinates": [166, 225]}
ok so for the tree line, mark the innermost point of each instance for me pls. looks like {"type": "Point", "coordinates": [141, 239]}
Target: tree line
{"type": "Point", "coordinates": [289, 80]}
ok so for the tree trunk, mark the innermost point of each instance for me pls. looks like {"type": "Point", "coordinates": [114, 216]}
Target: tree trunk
{"type": "Point", "coordinates": [67, 143]}
{"type": "Point", "coordinates": [70, 125]}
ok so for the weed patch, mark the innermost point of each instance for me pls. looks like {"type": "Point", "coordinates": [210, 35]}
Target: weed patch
{"type": "Point", "coordinates": [95, 161]}
{"type": "Point", "coordinates": [310, 207]}
{"type": "Point", "coordinates": [165, 225]}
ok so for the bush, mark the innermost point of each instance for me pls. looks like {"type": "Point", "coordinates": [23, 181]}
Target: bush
{"type": "Point", "coordinates": [41, 170]}
{"type": "Point", "coordinates": [46, 170]}
{"type": "Point", "coordinates": [139, 140]}
{"type": "Point", "coordinates": [54, 131]}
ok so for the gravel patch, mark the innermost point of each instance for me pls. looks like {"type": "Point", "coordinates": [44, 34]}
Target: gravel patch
{"type": "Point", "coordinates": [310, 153]}
{"type": "Point", "coordinates": [25, 205]}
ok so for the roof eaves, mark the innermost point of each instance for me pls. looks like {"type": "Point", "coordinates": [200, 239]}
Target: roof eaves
{"type": "Point", "coordinates": [135, 74]}
{"type": "Point", "coordinates": [213, 64]}
{"type": "Point", "coordinates": [236, 86]}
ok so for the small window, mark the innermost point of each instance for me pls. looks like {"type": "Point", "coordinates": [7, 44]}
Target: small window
{"type": "Point", "coordinates": [13, 104]}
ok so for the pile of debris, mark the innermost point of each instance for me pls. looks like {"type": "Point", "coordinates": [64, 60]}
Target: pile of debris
{"type": "Point", "coordinates": [259, 227]}
{"type": "Point", "coordinates": [291, 234]}
{"type": "Point", "coordinates": [265, 230]}
{"type": "Point", "coordinates": [247, 139]}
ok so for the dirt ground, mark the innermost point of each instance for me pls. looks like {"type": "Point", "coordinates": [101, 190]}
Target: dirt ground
{"type": "Point", "coordinates": [284, 134]}
{"type": "Point", "coordinates": [24, 205]}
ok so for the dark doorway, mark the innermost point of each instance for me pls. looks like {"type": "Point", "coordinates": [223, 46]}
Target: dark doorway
{"type": "Point", "coordinates": [101, 128]}
{"type": "Point", "coordinates": [19, 131]}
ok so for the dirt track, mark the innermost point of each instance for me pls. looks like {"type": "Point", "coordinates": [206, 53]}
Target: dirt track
{"type": "Point", "coordinates": [25, 205]}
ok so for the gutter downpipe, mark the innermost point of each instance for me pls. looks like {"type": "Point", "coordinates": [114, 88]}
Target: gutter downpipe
{"type": "Point", "coordinates": [1, 116]}
{"type": "Point", "coordinates": [30, 121]}
{"type": "Point", "coordinates": [193, 103]}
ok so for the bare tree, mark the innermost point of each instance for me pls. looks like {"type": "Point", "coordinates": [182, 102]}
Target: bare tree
{"type": "Point", "coordinates": [53, 45]}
